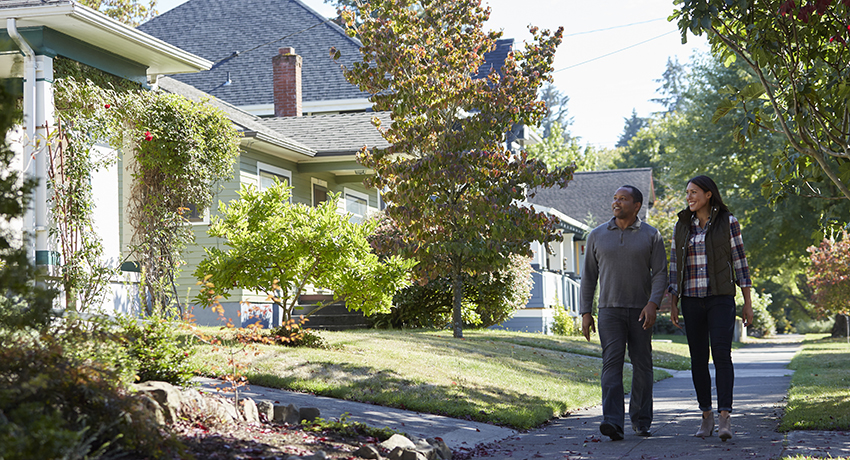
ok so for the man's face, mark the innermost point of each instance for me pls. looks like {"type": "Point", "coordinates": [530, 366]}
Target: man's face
{"type": "Point", "coordinates": [624, 205]}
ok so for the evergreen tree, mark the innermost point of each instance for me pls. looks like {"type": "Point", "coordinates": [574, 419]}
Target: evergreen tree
{"type": "Point", "coordinates": [631, 128]}
{"type": "Point", "coordinates": [672, 86]}
{"type": "Point", "coordinates": [556, 111]}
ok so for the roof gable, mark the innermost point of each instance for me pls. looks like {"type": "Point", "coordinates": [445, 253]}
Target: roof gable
{"type": "Point", "coordinates": [331, 135]}
{"type": "Point", "coordinates": [590, 193]}
{"type": "Point", "coordinates": [215, 29]}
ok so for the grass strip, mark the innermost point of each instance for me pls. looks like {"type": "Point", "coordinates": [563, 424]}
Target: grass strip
{"type": "Point", "coordinates": [513, 379]}
{"type": "Point", "coordinates": [819, 397]}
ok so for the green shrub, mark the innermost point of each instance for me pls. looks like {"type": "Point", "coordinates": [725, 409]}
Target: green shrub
{"type": "Point", "coordinates": [55, 405]}
{"type": "Point", "coordinates": [154, 345]}
{"type": "Point", "coordinates": [814, 326]}
{"type": "Point", "coordinates": [292, 333]}
{"type": "Point", "coordinates": [663, 325]}
{"type": "Point", "coordinates": [489, 299]}
{"type": "Point", "coordinates": [763, 323]}
{"type": "Point", "coordinates": [564, 323]}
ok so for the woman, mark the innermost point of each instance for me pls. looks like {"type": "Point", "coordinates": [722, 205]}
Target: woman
{"type": "Point", "coordinates": [706, 261]}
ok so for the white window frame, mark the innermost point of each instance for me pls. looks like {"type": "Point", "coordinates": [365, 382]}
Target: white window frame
{"type": "Point", "coordinates": [342, 204]}
{"type": "Point", "coordinates": [205, 219]}
{"type": "Point", "coordinates": [278, 171]}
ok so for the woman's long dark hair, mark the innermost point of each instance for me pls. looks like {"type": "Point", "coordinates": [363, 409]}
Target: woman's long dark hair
{"type": "Point", "coordinates": [708, 185]}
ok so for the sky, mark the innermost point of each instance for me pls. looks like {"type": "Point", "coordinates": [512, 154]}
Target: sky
{"type": "Point", "coordinates": [612, 53]}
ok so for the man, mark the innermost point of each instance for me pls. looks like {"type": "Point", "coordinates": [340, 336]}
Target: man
{"type": "Point", "coordinates": [626, 256]}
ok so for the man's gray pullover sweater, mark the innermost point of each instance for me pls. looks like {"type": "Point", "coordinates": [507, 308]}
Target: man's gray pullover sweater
{"type": "Point", "coordinates": [630, 265]}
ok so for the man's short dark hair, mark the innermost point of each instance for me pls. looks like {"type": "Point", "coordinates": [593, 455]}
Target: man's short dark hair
{"type": "Point", "coordinates": [636, 195]}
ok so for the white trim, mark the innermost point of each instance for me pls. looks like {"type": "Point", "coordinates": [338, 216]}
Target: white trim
{"type": "Point", "coordinates": [331, 106]}
{"type": "Point", "coordinates": [342, 204]}
{"type": "Point", "coordinates": [319, 182]}
{"type": "Point", "coordinates": [205, 218]}
{"type": "Point", "coordinates": [94, 27]}
{"type": "Point", "coordinates": [277, 171]}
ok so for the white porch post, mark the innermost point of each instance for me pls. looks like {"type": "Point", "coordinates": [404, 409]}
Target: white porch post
{"type": "Point", "coordinates": [45, 253]}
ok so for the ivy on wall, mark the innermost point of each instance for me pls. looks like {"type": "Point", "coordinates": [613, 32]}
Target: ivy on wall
{"type": "Point", "coordinates": [174, 150]}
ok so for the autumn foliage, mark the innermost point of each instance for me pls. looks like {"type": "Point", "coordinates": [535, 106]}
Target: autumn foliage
{"type": "Point", "coordinates": [449, 179]}
{"type": "Point", "coordinates": [829, 275]}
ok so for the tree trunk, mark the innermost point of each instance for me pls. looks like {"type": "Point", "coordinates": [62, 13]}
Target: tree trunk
{"type": "Point", "coordinates": [457, 318]}
{"type": "Point", "coordinates": [840, 328]}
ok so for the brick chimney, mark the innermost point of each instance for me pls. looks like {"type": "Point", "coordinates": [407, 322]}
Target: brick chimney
{"type": "Point", "coordinates": [287, 83]}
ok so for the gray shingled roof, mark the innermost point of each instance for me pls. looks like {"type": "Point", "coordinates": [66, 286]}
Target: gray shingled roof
{"type": "Point", "coordinates": [591, 192]}
{"type": "Point", "coordinates": [332, 134]}
{"type": "Point", "coordinates": [245, 122]}
{"type": "Point", "coordinates": [30, 3]}
{"type": "Point", "coordinates": [214, 29]}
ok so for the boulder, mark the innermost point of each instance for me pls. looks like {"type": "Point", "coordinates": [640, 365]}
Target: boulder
{"type": "Point", "coordinates": [167, 395]}
{"type": "Point", "coordinates": [368, 451]}
{"type": "Point", "coordinates": [308, 413]}
{"type": "Point", "coordinates": [398, 440]}
{"type": "Point", "coordinates": [266, 409]}
{"type": "Point", "coordinates": [250, 411]}
{"type": "Point", "coordinates": [287, 414]}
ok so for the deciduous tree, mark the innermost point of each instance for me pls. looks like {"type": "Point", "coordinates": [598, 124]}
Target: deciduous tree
{"type": "Point", "coordinates": [130, 12]}
{"type": "Point", "coordinates": [278, 248]}
{"type": "Point", "coordinates": [829, 275]}
{"type": "Point", "coordinates": [448, 177]}
{"type": "Point", "coordinates": [799, 52]}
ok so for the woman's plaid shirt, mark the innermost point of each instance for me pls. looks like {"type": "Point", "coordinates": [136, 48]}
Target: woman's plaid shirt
{"type": "Point", "coordinates": [696, 274]}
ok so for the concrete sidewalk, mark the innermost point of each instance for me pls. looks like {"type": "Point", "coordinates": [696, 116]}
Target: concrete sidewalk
{"type": "Point", "coordinates": [761, 385]}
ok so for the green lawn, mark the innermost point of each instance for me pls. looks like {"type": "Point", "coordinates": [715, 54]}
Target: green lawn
{"type": "Point", "coordinates": [514, 379]}
{"type": "Point", "coordinates": [819, 397]}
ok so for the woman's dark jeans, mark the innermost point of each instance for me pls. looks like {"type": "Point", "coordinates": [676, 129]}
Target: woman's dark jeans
{"type": "Point", "coordinates": [710, 321]}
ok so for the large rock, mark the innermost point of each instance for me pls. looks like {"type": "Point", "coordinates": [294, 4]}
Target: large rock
{"type": "Point", "coordinates": [266, 409]}
{"type": "Point", "coordinates": [398, 440]}
{"type": "Point", "coordinates": [442, 448]}
{"type": "Point", "coordinates": [308, 413]}
{"type": "Point", "coordinates": [368, 451]}
{"type": "Point", "coordinates": [167, 395]}
{"type": "Point", "coordinates": [287, 414]}
{"type": "Point", "coordinates": [152, 408]}
{"type": "Point", "coordinates": [250, 411]}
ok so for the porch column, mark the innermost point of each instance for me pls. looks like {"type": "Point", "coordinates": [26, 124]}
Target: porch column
{"type": "Point", "coordinates": [45, 253]}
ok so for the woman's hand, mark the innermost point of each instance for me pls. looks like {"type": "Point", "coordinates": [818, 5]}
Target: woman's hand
{"type": "Point", "coordinates": [674, 310]}
{"type": "Point", "coordinates": [747, 311]}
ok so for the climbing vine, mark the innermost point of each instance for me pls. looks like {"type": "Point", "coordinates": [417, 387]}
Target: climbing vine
{"type": "Point", "coordinates": [174, 152]}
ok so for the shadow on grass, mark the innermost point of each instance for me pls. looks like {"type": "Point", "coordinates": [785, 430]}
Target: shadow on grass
{"type": "Point", "coordinates": [488, 404]}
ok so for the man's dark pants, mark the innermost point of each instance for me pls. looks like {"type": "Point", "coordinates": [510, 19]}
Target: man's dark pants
{"type": "Point", "coordinates": [617, 328]}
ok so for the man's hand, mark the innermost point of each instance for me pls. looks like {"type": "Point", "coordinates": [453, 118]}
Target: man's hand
{"type": "Point", "coordinates": [587, 325]}
{"type": "Point", "coordinates": [647, 315]}
{"type": "Point", "coordinates": [674, 310]}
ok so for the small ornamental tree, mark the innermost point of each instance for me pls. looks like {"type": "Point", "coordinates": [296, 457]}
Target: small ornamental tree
{"type": "Point", "coordinates": [829, 276]}
{"type": "Point", "coordinates": [278, 248]}
{"type": "Point", "coordinates": [449, 179]}
{"type": "Point", "coordinates": [799, 51]}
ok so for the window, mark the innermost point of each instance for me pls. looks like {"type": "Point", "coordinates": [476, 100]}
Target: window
{"type": "Point", "coordinates": [193, 215]}
{"type": "Point", "coordinates": [356, 204]}
{"type": "Point", "coordinates": [266, 175]}
{"type": "Point", "coordinates": [320, 191]}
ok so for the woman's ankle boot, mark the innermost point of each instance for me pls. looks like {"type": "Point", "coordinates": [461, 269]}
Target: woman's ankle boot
{"type": "Point", "coordinates": [706, 428]}
{"type": "Point", "coordinates": [725, 430]}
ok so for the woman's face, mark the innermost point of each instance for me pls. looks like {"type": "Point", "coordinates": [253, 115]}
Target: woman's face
{"type": "Point", "coordinates": [697, 198]}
